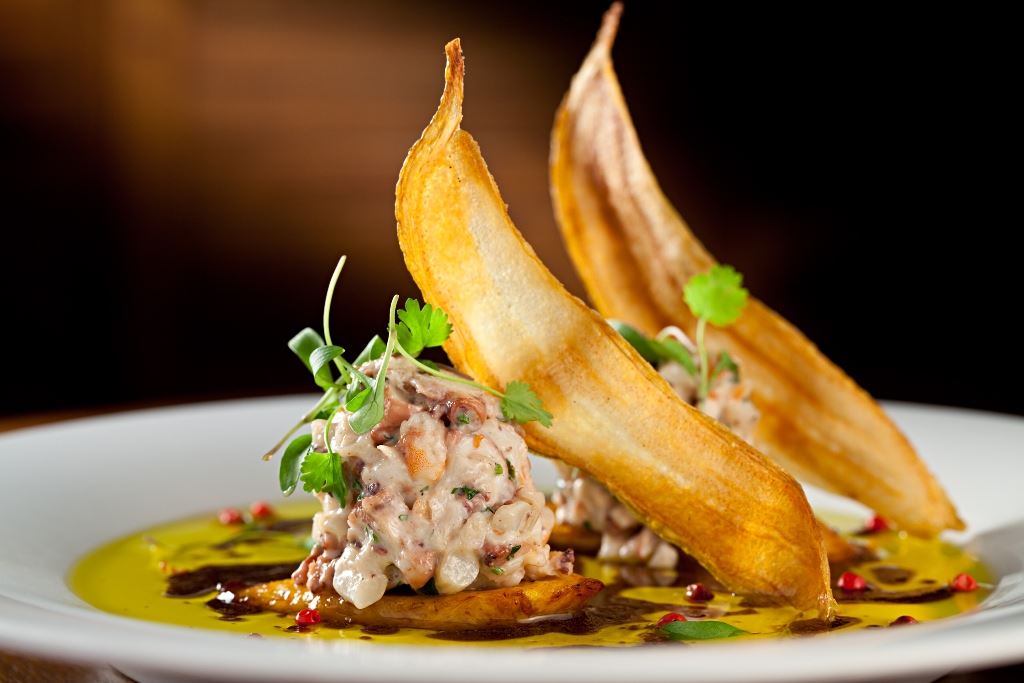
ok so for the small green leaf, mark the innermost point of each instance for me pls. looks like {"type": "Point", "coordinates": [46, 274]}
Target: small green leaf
{"type": "Point", "coordinates": [466, 491]}
{"type": "Point", "coordinates": [357, 400]}
{"type": "Point", "coordinates": [647, 348]}
{"type": "Point", "coordinates": [291, 463]}
{"type": "Point", "coordinates": [675, 351]}
{"type": "Point", "coordinates": [700, 630]}
{"type": "Point", "coordinates": [320, 364]}
{"type": "Point", "coordinates": [498, 469]}
{"type": "Point", "coordinates": [371, 411]}
{"type": "Point", "coordinates": [322, 472]}
{"type": "Point", "coordinates": [717, 296]}
{"type": "Point", "coordinates": [326, 411]}
{"type": "Point", "coordinates": [656, 351]}
{"type": "Point", "coordinates": [422, 328]}
{"type": "Point", "coordinates": [374, 350]}
{"type": "Point", "coordinates": [725, 363]}
{"type": "Point", "coordinates": [511, 469]}
{"type": "Point", "coordinates": [304, 343]}
{"type": "Point", "coordinates": [515, 549]}
{"type": "Point", "coordinates": [522, 405]}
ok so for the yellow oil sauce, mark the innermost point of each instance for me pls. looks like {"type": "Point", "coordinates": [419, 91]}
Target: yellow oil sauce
{"type": "Point", "coordinates": [129, 577]}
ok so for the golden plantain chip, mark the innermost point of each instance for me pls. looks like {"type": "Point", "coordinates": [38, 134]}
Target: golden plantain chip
{"type": "Point", "coordinates": [691, 480]}
{"type": "Point", "coordinates": [634, 253]}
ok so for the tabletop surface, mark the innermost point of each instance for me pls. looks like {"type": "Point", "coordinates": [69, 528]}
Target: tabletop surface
{"type": "Point", "coordinates": [20, 669]}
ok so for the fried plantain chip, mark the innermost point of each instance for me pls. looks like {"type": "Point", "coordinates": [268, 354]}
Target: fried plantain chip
{"type": "Point", "coordinates": [463, 611]}
{"type": "Point", "coordinates": [692, 481]}
{"type": "Point", "coordinates": [634, 253]}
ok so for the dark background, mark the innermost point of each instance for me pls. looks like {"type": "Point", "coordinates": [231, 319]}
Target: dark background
{"type": "Point", "coordinates": [178, 178]}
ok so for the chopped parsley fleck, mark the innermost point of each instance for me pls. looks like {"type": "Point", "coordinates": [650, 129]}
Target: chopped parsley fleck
{"type": "Point", "coordinates": [489, 509]}
{"type": "Point", "coordinates": [467, 491]}
{"type": "Point", "coordinates": [424, 489]}
{"type": "Point", "coordinates": [497, 570]}
{"type": "Point", "coordinates": [511, 469]}
{"type": "Point", "coordinates": [464, 418]}
{"type": "Point", "coordinates": [403, 517]}
{"type": "Point", "coordinates": [498, 469]}
{"type": "Point", "coordinates": [515, 549]}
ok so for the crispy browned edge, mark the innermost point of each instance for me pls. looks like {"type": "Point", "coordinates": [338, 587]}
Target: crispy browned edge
{"type": "Point", "coordinates": [634, 253]}
{"type": "Point", "coordinates": [496, 607]}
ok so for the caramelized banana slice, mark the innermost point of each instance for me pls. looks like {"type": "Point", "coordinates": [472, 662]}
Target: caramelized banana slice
{"type": "Point", "coordinates": [634, 253]}
{"type": "Point", "coordinates": [463, 611]}
{"type": "Point", "coordinates": [694, 482]}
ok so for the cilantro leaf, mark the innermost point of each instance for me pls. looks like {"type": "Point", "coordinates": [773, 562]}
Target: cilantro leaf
{"type": "Point", "coordinates": [422, 328]}
{"type": "Point", "coordinates": [291, 463]}
{"type": "Point", "coordinates": [522, 405]}
{"type": "Point", "coordinates": [700, 630]}
{"type": "Point", "coordinates": [717, 296]}
{"type": "Point", "coordinates": [322, 472]}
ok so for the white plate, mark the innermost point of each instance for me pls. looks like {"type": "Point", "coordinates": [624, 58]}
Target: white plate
{"type": "Point", "coordinates": [65, 489]}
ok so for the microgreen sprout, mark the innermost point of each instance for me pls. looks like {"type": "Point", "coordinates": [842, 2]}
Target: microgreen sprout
{"type": "Point", "coordinates": [718, 297]}
{"type": "Point", "coordinates": [715, 297]}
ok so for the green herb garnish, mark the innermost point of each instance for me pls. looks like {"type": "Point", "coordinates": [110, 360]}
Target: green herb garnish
{"type": "Point", "coordinates": [422, 328]}
{"type": "Point", "coordinates": [466, 491]}
{"type": "Point", "coordinates": [700, 630]}
{"type": "Point", "coordinates": [322, 472]}
{"type": "Point", "coordinates": [725, 363]}
{"type": "Point", "coordinates": [410, 330]}
{"type": "Point", "coordinates": [718, 297]}
{"type": "Point", "coordinates": [497, 570]}
{"type": "Point", "coordinates": [498, 470]}
{"type": "Point", "coordinates": [511, 469]}
{"type": "Point", "coordinates": [715, 297]}
{"type": "Point", "coordinates": [515, 549]}
{"type": "Point", "coordinates": [656, 351]}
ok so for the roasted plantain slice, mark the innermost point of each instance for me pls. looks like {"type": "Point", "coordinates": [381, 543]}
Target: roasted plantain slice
{"type": "Point", "coordinates": [463, 611]}
{"type": "Point", "coordinates": [634, 253]}
{"type": "Point", "coordinates": [694, 482]}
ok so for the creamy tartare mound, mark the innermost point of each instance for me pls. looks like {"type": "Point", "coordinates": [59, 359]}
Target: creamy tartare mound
{"type": "Point", "coordinates": [440, 497]}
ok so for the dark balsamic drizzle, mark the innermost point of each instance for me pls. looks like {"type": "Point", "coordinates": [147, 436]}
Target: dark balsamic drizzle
{"type": "Point", "coordinates": [892, 574]}
{"type": "Point", "coordinates": [805, 627]}
{"type": "Point", "coordinates": [213, 577]}
{"type": "Point", "coordinates": [907, 597]}
{"type": "Point", "coordinates": [379, 630]}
